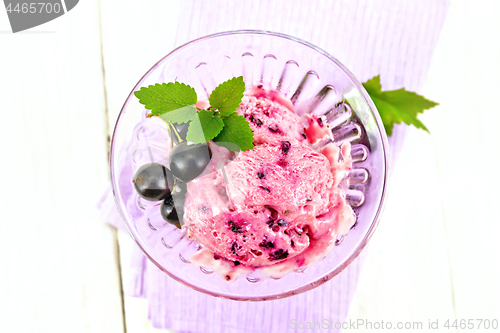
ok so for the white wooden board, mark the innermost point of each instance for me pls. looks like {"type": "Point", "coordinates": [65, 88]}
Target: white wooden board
{"type": "Point", "coordinates": [135, 37]}
{"type": "Point", "coordinates": [434, 256]}
{"type": "Point", "coordinates": [59, 260]}
{"type": "Point", "coordinates": [436, 253]}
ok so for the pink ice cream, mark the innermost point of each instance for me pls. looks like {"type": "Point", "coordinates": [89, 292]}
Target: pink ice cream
{"type": "Point", "coordinates": [270, 119]}
{"type": "Point", "coordinates": [276, 204]}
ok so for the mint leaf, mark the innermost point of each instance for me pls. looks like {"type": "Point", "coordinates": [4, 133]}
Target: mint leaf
{"type": "Point", "coordinates": [165, 97]}
{"type": "Point", "coordinates": [236, 134]}
{"type": "Point", "coordinates": [396, 106]}
{"type": "Point", "coordinates": [175, 102]}
{"type": "Point", "coordinates": [204, 127]}
{"type": "Point", "coordinates": [182, 115]}
{"type": "Point", "coordinates": [227, 96]}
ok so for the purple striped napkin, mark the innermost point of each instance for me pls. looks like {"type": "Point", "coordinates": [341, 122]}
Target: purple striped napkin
{"type": "Point", "coordinates": [392, 38]}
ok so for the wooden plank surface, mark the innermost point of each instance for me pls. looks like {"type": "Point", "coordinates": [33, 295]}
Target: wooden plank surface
{"type": "Point", "coordinates": [418, 265]}
{"type": "Point", "coordinates": [466, 138]}
{"type": "Point", "coordinates": [434, 256]}
{"type": "Point", "coordinates": [59, 260]}
{"type": "Point", "coordinates": [135, 37]}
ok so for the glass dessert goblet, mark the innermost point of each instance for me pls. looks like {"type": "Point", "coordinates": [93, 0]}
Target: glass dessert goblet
{"type": "Point", "coordinates": [315, 83]}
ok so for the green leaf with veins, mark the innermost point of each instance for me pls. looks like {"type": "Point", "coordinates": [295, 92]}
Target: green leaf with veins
{"type": "Point", "coordinates": [175, 102]}
{"type": "Point", "coordinates": [236, 134]}
{"type": "Point", "coordinates": [204, 127]}
{"type": "Point", "coordinates": [396, 106]}
{"type": "Point", "coordinates": [166, 97]}
{"type": "Point", "coordinates": [227, 96]}
{"type": "Point", "coordinates": [179, 116]}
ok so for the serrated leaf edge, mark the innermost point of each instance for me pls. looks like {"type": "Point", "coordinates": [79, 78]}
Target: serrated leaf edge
{"type": "Point", "coordinates": [246, 145]}
{"type": "Point", "coordinates": [191, 129]}
{"type": "Point", "coordinates": [377, 94]}
{"type": "Point", "coordinates": [227, 113]}
{"type": "Point", "coordinates": [154, 94]}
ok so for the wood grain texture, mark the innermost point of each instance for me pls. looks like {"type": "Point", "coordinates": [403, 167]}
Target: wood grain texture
{"type": "Point", "coordinates": [466, 138]}
{"type": "Point", "coordinates": [413, 272]}
{"type": "Point", "coordinates": [201, 23]}
{"type": "Point", "coordinates": [435, 254]}
{"type": "Point", "coordinates": [136, 309]}
{"type": "Point", "coordinates": [135, 37]}
{"type": "Point", "coordinates": [59, 260]}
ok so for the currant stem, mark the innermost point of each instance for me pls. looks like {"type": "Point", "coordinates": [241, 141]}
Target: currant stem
{"type": "Point", "coordinates": [175, 131]}
{"type": "Point", "coordinates": [170, 135]}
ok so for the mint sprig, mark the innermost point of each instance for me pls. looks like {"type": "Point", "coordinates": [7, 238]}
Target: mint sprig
{"type": "Point", "coordinates": [176, 102]}
{"type": "Point", "coordinates": [396, 106]}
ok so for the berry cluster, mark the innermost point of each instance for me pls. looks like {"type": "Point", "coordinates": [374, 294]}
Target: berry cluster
{"type": "Point", "coordinates": [155, 182]}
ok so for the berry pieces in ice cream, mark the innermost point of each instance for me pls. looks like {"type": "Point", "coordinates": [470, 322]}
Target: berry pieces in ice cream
{"type": "Point", "coordinates": [277, 205]}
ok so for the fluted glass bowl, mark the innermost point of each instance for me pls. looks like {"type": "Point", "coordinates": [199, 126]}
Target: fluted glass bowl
{"type": "Point", "coordinates": [316, 83]}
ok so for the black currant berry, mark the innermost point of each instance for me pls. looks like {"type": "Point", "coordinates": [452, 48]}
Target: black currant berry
{"type": "Point", "coordinates": [168, 211]}
{"type": "Point", "coordinates": [188, 161]}
{"type": "Point", "coordinates": [153, 181]}
{"type": "Point", "coordinates": [179, 200]}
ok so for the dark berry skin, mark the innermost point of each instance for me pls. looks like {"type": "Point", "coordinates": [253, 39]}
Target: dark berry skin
{"type": "Point", "coordinates": [320, 122]}
{"type": "Point", "coordinates": [282, 223]}
{"type": "Point", "coordinates": [188, 161]}
{"type": "Point", "coordinates": [285, 147]}
{"type": "Point", "coordinates": [265, 189]}
{"type": "Point", "coordinates": [182, 130]}
{"type": "Point", "coordinates": [168, 211]}
{"type": "Point", "coordinates": [278, 255]}
{"type": "Point", "coordinates": [153, 181]}
{"type": "Point", "coordinates": [234, 228]}
{"type": "Point", "coordinates": [267, 245]}
{"type": "Point", "coordinates": [274, 128]}
{"type": "Point", "coordinates": [179, 200]}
